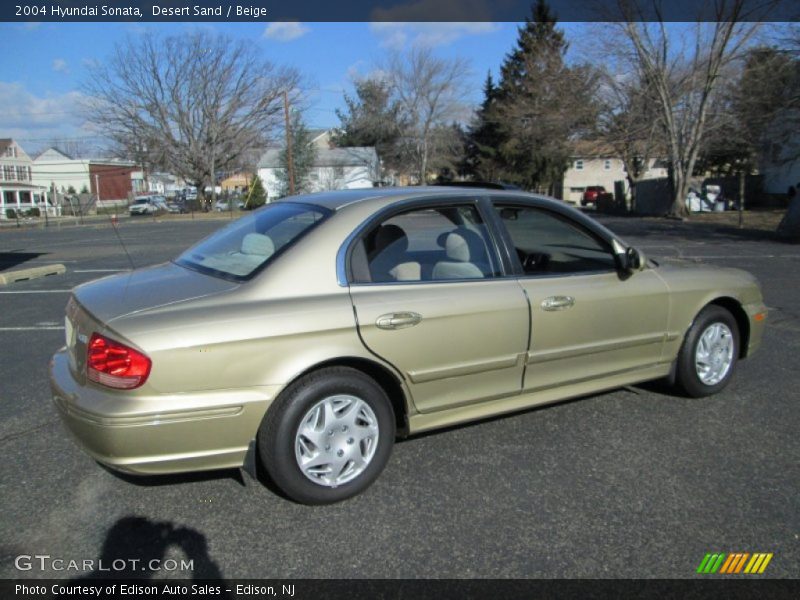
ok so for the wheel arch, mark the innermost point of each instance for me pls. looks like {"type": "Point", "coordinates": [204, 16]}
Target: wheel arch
{"type": "Point", "coordinates": [733, 306]}
{"type": "Point", "coordinates": [382, 375]}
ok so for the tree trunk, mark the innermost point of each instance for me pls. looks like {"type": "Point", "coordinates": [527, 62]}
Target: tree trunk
{"type": "Point", "coordinates": [680, 187]}
{"type": "Point", "coordinates": [740, 204]}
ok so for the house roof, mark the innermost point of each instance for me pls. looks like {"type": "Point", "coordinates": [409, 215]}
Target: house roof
{"type": "Point", "coordinates": [592, 149]}
{"type": "Point", "coordinates": [54, 155]}
{"type": "Point", "coordinates": [53, 152]}
{"type": "Point", "coordinates": [326, 157]}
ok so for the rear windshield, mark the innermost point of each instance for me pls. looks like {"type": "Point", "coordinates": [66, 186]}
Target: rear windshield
{"type": "Point", "coordinates": [244, 247]}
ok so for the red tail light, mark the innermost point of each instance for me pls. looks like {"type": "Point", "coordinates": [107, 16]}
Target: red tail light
{"type": "Point", "coordinates": [115, 365]}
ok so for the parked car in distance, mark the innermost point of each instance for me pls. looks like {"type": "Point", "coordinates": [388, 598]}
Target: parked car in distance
{"type": "Point", "coordinates": [174, 208]}
{"type": "Point", "coordinates": [310, 333]}
{"type": "Point", "coordinates": [148, 205]}
{"type": "Point", "coordinates": [591, 193]}
{"type": "Point", "coordinates": [225, 205]}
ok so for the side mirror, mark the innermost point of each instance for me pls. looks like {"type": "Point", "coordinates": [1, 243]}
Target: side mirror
{"type": "Point", "coordinates": [634, 260]}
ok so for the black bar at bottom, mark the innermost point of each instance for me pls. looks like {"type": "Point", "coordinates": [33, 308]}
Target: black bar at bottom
{"type": "Point", "coordinates": [420, 589]}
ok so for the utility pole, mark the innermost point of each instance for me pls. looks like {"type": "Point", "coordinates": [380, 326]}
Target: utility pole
{"type": "Point", "coordinates": [289, 158]}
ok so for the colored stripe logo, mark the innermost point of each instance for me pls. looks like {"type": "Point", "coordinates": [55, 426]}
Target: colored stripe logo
{"type": "Point", "coordinates": [734, 563]}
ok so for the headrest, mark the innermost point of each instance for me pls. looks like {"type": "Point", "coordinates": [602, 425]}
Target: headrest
{"type": "Point", "coordinates": [456, 248]}
{"type": "Point", "coordinates": [390, 235]}
{"type": "Point", "coordinates": [257, 243]}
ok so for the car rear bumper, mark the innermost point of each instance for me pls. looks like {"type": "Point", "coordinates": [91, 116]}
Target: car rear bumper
{"type": "Point", "coordinates": [169, 433]}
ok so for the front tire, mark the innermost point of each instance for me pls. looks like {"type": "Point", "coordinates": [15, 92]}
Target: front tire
{"type": "Point", "coordinates": [709, 353]}
{"type": "Point", "coordinates": [328, 436]}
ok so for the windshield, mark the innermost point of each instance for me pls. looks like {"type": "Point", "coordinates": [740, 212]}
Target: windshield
{"type": "Point", "coordinates": [241, 249]}
{"type": "Point", "coordinates": [142, 201]}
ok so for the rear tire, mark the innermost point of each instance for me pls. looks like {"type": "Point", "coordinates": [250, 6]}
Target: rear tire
{"type": "Point", "coordinates": [707, 359]}
{"type": "Point", "coordinates": [328, 436]}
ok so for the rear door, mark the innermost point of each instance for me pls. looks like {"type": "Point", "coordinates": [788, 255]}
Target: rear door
{"type": "Point", "coordinates": [430, 299]}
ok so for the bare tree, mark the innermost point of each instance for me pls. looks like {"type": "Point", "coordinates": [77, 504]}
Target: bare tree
{"type": "Point", "coordinates": [199, 102]}
{"type": "Point", "coordinates": [627, 122]}
{"type": "Point", "coordinates": [73, 147]}
{"type": "Point", "coordinates": [429, 93]}
{"type": "Point", "coordinates": [682, 73]}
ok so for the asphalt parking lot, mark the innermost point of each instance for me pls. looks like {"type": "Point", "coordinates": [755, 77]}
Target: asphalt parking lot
{"type": "Point", "coordinates": [630, 483]}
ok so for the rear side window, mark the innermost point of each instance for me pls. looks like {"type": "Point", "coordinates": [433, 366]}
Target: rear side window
{"type": "Point", "coordinates": [242, 248]}
{"type": "Point", "coordinates": [428, 244]}
{"type": "Point", "coordinates": [547, 243]}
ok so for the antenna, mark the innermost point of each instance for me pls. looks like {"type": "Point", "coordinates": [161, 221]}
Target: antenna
{"type": "Point", "coordinates": [113, 222]}
{"type": "Point", "coordinates": [121, 243]}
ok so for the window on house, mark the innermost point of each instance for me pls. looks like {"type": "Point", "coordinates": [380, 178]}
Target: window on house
{"type": "Point", "coordinates": [22, 173]}
{"type": "Point", "coordinates": [579, 165]}
{"type": "Point", "coordinates": [8, 173]}
{"type": "Point", "coordinates": [607, 165]}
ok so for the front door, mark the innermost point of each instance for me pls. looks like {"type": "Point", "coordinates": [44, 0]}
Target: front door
{"type": "Point", "coordinates": [587, 321]}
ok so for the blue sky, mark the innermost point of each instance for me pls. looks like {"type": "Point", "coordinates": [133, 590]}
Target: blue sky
{"type": "Point", "coordinates": [45, 63]}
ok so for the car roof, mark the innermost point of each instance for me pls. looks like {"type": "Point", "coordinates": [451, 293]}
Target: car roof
{"type": "Point", "coordinates": [379, 197]}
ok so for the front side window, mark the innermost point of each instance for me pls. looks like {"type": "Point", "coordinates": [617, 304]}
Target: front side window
{"type": "Point", "coordinates": [429, 244]}
{"type": "Point", "coordinates": [242, 248]}
{"type": "Point", "coordinates": [550, 244]}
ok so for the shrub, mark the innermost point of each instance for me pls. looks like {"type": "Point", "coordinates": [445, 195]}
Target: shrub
{"type": "Point", "coordinates": [35, 212]}
{"type": "Point", "coordinates": [257, 195]}
{"type": "Point", "coordinates": [11, 213]}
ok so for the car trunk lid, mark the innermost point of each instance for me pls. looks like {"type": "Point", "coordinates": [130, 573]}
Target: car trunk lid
{"type": "Point", "coordinates": [120, 295]}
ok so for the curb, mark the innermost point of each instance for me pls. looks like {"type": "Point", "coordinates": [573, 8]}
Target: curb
{"type": "Point", "coordinates": [31, 273]}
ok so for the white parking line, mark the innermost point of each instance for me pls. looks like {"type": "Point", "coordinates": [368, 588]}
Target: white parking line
{"type": "Point", "coordinates": [99, 270]}
{"type": "Point", "coordinates": [37, 292]}
{"type": "Point", "coordinates": [744, 256]}
{"type": "Point", "coordinates": [40, 328]}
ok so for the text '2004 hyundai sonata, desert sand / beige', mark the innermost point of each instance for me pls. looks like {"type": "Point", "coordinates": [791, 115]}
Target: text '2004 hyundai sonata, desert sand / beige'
{"type": "Point", "coordinates": [308, 334]}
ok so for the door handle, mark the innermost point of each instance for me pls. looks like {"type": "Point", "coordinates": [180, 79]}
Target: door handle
{"type": "Point", "coordinates": [558, 302]}
{"type": "Point", "coordinates": [399, 320]}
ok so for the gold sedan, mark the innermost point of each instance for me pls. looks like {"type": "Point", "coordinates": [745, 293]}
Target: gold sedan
{"type": "Point", "coordinates": [309, 334]}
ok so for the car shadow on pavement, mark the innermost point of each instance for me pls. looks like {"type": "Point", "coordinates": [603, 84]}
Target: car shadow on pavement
{"type": "Point", "coordinates": [137, 548]}
{"type": "Point", "coordinates": [176, 478]}
{"type": "Point", "coordinates": [14, 258]}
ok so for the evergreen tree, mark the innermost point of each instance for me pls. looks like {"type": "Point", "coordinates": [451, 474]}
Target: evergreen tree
{"type": "Point", "coordinates": [303, 157]}
{"type": "Point", "coordinates": [371, 119]}
{"type": "Point", "coordinates": [483, 137]}
{"type": "Point", "coordinates": [256, 195]}
{"type": "Point", "coordinates": [541, 104]}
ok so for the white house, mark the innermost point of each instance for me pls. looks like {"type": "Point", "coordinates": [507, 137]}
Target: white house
{"type": "Point", "coordinates": [780, 163]}
{"type": "Point", "coordinates": [597, 164]}
{"type": "Point", "coordinates": [17, 188]}
{"type": "Point", "coordinates": [165, 184]}
{"type": "Point", "coordinates": [110, 179]}
{"type": "Point", "coordinates": [334, 168]}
